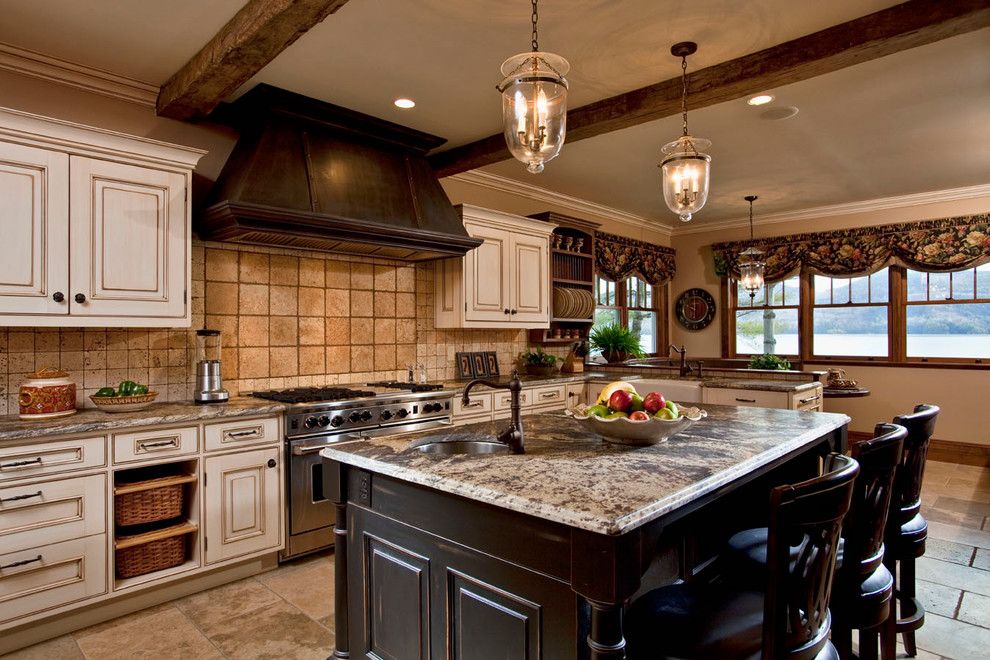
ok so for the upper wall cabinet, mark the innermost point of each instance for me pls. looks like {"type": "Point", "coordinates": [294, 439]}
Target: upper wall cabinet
{"type": "Point", "coordinates": [504, 282]}
{"type": "Point", "coordinates": [96, 226]}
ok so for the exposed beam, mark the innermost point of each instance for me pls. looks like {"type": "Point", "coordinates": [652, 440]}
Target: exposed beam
{"type": "Point", "coordinates": [908, 25]}
{"type": "Point", "coordinates": [251, 39]}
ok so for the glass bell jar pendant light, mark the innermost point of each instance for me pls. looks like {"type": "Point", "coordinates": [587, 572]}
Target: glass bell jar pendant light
{"type": "Point", "coordinates": [751, 265]}
{"type": "Point", "coordinates": [685, 167]}
{"type": "Point", "coordinates": [534, 103]}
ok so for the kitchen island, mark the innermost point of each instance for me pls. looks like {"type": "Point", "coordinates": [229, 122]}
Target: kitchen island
{"type": "Point", "coordinates": [535, 555]}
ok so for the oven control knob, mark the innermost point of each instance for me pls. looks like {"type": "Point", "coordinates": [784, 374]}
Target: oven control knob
{"type": "Point", "coordinates": [310, 422]}
{"type": "Point", "coordinates": [354, 417]}
{"type": "Point", "coordinates": [386, 414]}
{"type": "Point", "coordinates": [365, 416]}
{"type": "Point", "coordinates": [401, 412]}
{"type": "Point", "coordinates": [324, 420]}
{"type": "Point", "coordinates": [336, 421]}
{"type": "Point", "coordinates": [431, 407]}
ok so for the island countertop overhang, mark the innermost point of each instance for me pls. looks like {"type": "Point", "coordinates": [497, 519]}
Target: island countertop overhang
{"type": "Point", "coordinates": [572, 477]}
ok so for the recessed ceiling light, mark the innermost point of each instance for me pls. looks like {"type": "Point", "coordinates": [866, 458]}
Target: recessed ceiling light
{"type": "Point", "coordinates": [776, 114]}
{"type": "Point", "coordinates": [762, 99]}
{"type": "Point", "coordinates": [405, 103]}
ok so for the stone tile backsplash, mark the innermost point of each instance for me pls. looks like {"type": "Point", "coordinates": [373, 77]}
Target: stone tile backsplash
{"type": "Point", "coordinates": [289, 318]}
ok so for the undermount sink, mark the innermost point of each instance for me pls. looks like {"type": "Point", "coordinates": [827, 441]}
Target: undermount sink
{"type": "Point", "coordinates": [462, 447]}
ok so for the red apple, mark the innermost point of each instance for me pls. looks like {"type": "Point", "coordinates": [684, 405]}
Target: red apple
{"type": "Point", "coordinates": [639, 416]}
{"type": "Point", "coordinates": [653, 402]}
{"type": "Point", "coordinates": [620, 401]}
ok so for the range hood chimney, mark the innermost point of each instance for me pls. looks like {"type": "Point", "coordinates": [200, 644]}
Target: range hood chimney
{"type": "Point", "coordinates": [312, 175]}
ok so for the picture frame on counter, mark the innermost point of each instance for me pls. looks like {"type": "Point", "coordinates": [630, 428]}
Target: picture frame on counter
{"type": "Point", "coordinates": [465, 365]}
{"type": "Point", "coordinates": [480, 365]}
{"type": "Point", "coordinates": [491, 360]}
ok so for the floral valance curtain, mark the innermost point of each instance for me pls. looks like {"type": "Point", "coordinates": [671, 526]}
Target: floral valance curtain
{"type": "Point", "coordinates": [617, 257]}
{"type": "Point", "coordinates": [929, 245]}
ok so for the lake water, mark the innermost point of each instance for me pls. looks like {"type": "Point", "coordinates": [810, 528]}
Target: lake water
{"type": "Point", "coordinates": [963, 346]}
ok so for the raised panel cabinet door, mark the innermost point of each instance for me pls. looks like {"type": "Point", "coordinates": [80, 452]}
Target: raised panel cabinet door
{"type": "Point", "coordinates": [128, 234]}
{"type": "Point", "coordinates": [34, 217]}
{"type": "Point", "coordinates": [529, 277]}
{"type": "Point", "coordinates": [243, 504]}
{"type": "Point", "coordinates": [486, 276]}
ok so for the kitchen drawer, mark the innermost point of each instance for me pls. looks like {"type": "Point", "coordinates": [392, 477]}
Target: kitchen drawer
{"type": "Point", "coordinates": [503, 399]}
{"type": "Point", "coordinates": [42, 459]}
{"type": "Point", "coordinates": [809, 400]}
{"type": "Point", "coordinates": [49, 512]}
{"type": "Point", "coordinates": [577, 394]}
{"type": "Point", "coordinates": [748, 398]}
{"type": "Point", "coordinates": [480, 404]}
{"type": "Point", "coordinates": [51, 576]}
{"type": "Point", "coordinates": [159, 443]}
{"type": "Point", "coordinates": [241, 432]}
{"type": "Point", "coordinates": [551, 396]}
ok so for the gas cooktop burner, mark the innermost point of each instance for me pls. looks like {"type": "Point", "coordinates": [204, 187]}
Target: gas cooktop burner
{"type": "Point", "coordinates": [412, 387]}
{"type": "Point", "coordinates": [312, 394]}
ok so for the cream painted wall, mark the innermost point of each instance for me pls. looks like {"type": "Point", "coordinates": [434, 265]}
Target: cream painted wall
{"type": "Point", "coordinates": [961, 393]}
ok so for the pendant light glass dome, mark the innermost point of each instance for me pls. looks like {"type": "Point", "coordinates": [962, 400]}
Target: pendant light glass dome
{"type": "Point", "coordinates": [534, 104]}
{"type": "Point", "coordinates": [751, 266]}
{"type": "Point", "coordinates": [685, 167]}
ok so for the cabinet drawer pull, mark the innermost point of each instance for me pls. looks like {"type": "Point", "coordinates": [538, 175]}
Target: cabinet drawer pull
{"type": "Point", "coordinates": [745, 400]}
{"type": "Point", "coordinates": [811, 398]}
{"type": "Point", "coordinates": [172, 442]}
{"type": "Point", "coordinates": [58, 296]}
{"type": "Point", "coordinates": [549, 395]}
{"type": "Point", "coordinates": [474, 404]}
{"type": "Point", "coordinates": [80, 298]}
{"type": "Point", "coordinates": [36, 459]}
{"type": "Point", "coordinates": [244, 434]}
{"type": "Point", "coordinates": [20, 563]}
{"type": "Point", "coordinates": [17, 498]}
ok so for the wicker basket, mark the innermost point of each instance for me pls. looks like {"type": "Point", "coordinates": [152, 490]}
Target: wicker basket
{"type": "Point", "coordinates": [150, 501]}
{"type": "Point", "coordinates": [151, 551]}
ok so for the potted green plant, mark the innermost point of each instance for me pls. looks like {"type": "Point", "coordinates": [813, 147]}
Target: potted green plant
{"type": "Point", "coordinates": [617, 343]}
{"type": "Point", "coordinates": [539, 363]}
{"type": "Point", "coordinates": [768, 361]}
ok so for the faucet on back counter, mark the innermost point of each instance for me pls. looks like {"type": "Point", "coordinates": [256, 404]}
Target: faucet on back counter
{"type": "Point", "coordinates": [512, 436]}
{"type": "Point", "coordinates": [686, 369]}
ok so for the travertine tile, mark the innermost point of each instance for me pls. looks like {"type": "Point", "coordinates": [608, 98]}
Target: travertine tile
{"type": "Point", "coordinates": [308, 585]}
{"type": "Point", "coordinates": [62, 648]}
{"type": "Point", "coordinates": [385, 278]}
{"type": "Point", "coordinates": [959, 534]}
{"type": "Point", "coordinates": [385, 304]}
{"type": "Point", "coordinates": [312, 301]}
{"type": "Point", "coordinates": [221, 265]}
{"type": "Point", "coordinates": [284, 361]}
{"type": "Point", "coordinates": [938, 598]}
{"type": "Point", "coordinates": [953, 639]}
{"type": "Point", "coordinates": [338, 274]}
{"type": "Point", "coordinates": [338, 302]}
{"type": "Point", "coordinates": [253, 299]}
{"type": "Point", "coordinates": [284, 300]}
{"type": "Point", "coordinates": [253, 331]}
{"type": "Point", "coordinates": [221, 298]}
{"type": "Point", "coordinates": [312, 331]}
{"type": "Point", "coordinates": [159, 632]}
{"type": "Point", "coordinates": [252, 363]}
{"type": "Point", "coordinates": [312, 360]}
{"type": "Point", "coordinates": [385, 331]}
{"type": "Point", "coordinates": [982, 559]}
{"type": "Point", "coordinates": [284, 331]}
{"type": "Point", "coordinates": [211, 608]}
{"type": "Point", "coordinates": [362, 275]}
{"type": "Point", "coordinates": [311, 272]}
{"type": "Point", "coordinates": [254, 268]}
{"type": "Point", "coordinates": [975, 609]}
{"type": "Point", "coordinates": [361, 358]}
{"type": "Point", "coordinates": [284, 269]}
{"type": "Point", "coordinates": [278, 631]}
{"type": "Point", "coordinates": [384, 357]}
{"type": "Point", "coordinates": [958, 553]}
{"type": "Point", "coordinates": [954, 575]}
{"type": "Point", "coordinates": [362, 303]}
{"type": "Point", "coordinates": [338, 359]}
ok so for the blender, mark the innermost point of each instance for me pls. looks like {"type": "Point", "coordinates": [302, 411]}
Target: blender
{"type": "Point", "coordinates": [209, 385]}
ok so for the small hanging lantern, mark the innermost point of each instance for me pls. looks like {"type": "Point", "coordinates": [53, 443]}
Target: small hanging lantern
{"type": "Point", "coordinates": [751, 265]}
{"type": "Point", "coordinates": [685, 167]}
{"type": "Point", "coordinates": [534, 104]}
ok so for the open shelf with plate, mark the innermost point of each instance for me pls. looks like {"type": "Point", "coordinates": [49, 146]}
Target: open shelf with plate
{"type": "Point", "coordinates": [572, 280]}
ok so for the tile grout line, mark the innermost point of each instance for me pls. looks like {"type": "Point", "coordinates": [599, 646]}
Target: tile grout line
{"type": "Point", "coordinates": [201, 631]}
{"type": "Point", "coordinates": [958, 607]}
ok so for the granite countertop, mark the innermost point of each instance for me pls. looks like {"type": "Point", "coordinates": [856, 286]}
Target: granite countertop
{"type": "Point", "coordinates": [763, 385]}
{"type": "Point", "coordinates": [90, 420]}
{"type": "Point", "coordinates": [595, 486]}
{"type": "Point", "coordinates": [535, 381]}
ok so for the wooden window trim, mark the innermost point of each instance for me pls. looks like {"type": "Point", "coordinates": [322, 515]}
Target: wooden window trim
{"type": "Point", "coordinates": [730, 303]}
{"type": "Point", "coordinates": [660, 307]}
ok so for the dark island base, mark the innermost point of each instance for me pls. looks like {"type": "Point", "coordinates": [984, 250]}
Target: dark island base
{"type": "Point", "coordinates": [423, 574]}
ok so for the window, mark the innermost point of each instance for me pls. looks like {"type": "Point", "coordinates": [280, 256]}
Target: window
{"type": "Point", "coordinates": [948, 314]}
{"type": "Point", "coordinates": [768, 321]}
{"type": "Point", "coordinates": [851, 315]}
{"type": "Point", "coordinates": [634, 304]}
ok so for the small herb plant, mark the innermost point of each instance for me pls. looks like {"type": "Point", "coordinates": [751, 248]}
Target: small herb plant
{"type": "Point", "coordinates": [539, 358]}
{"type": "Point", "coordinates": [613, 339]}
{"type": "Point", "coordinates": [769, 361]}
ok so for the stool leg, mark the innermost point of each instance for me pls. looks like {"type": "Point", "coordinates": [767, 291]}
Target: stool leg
{"type": "Point", "coordinates": [868, 643]}
{"type": "Point", "coordinates": [907, 592]}
{"type": "Point", "coordinates": [842, 641]}
{"type": "Point", "coordinates": [888, 634]}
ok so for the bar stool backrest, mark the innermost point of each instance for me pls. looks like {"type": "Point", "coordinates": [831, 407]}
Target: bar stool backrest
{"type": "Point", "coordinates": [864, 526]}
{"type": "Point", "coordinates": [796, 620]}
{"type": "Point", "coordinates": [920, 426]}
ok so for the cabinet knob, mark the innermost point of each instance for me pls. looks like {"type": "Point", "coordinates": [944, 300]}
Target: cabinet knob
{"type": "Point", "coordinates": [80, 298]}
{"type": "Point", "coordinates": [271, 462]}
{"type": "Point", "coordinates": [507, 311]}
{"type": "Point", "coordinates": [514, 311]}
{"type": "Point", "coordinates": [58, 296]}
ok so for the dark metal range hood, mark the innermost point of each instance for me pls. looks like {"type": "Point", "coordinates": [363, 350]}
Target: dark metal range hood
{"type": "Point", "coordinates": [312, 175]}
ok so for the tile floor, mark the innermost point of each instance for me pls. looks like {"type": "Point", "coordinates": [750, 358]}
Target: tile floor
{"type": "Point", "coordinates": [287, 613]}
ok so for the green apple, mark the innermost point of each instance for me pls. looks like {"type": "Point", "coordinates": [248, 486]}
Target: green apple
{"type": "Point", "coordinates": [616, 415]}
{"type": "Point", "coordinates": [674, 411]}
{"type": "Point", "coordinates": [637, 403]}
{"type": "Point", "coordinates": [598, 411]}
{"type": "Point", "coordinates": [664, 413]}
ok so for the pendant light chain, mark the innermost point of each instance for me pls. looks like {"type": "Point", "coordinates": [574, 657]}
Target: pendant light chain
{"type": "Point", "coordinates": [751, 218]}
{"type": "Point", "coordinates": [536, 34]}
{"type": "Point", "coordinates": [684, 91]}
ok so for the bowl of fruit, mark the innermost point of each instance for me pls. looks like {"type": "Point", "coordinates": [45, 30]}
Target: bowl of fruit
{"type": "Point", "coordinates": [621, 415]}
{"type": "Point", "coordinates": [127, 397]}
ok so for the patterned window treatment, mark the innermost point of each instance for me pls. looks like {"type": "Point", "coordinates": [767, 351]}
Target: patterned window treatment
{"type": "Point", "coordinates": [930, 245]}
{"type": "Point", "coordinates": [617, 257]}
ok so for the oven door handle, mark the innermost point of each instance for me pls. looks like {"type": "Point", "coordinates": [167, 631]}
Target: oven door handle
{"type": "Point", "coordinates": [302, 451]}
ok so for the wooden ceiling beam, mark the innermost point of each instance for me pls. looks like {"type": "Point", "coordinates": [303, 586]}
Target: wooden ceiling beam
{"type": "Point", "coordinates": [251, 39]}
{"type": "Point", "coordinates": [901, 27]}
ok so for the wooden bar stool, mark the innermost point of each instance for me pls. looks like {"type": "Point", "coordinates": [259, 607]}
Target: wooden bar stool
{"type": "Point", "coordinates": [864, 587]}
{"type": "Point", "coordinates": [908, 530]}
{"type": "Point", "coordinates": [788, 618]}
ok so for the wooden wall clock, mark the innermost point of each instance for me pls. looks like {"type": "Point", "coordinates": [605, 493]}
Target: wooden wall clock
{"type": "Point", "coordinates": [695, 309]}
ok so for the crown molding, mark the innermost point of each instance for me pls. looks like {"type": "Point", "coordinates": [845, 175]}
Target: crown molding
{"type": "Point", "coordinates": [846, 208]}
{"type": "Point", "coordinates": [36, 65]}
{"type": "Point", "coordinates": [574, 204]}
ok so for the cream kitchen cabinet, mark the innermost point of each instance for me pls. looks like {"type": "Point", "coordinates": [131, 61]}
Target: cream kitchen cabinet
{"type": "Point", "coordinates": [504, 282]}
{"type": "Point", "coordinates": [97, 226]}
{"type": "Point", "coordinates": [808, 400]}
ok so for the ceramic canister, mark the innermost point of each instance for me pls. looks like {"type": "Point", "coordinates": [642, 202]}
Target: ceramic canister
{"type": "Point", "coordinates": [47, 393]}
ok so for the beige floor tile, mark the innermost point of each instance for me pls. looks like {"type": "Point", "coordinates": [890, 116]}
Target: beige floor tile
{"type": "Point", "coordinates": [953, 639]}
{"type": "Point", "coordinates": [970, 520]}
{"type": "Point", "coordinates": [965, 535]}
{"type": "Point", "coordinates": [308, 585]}
{"type": "Point", "coordinates": [208, 609]}
{"type": "Point", "coordinates": [957, 553]}
{"type": "Point", "coordinates": [938, 598]}
{"type": "Point", "coordinates": [982, 559]}
{"type": "Point", "coordinates": [922, 654]}
{"type": "Point", "coordinates": [280, 631]}
{"type": "Point", "coordinates": [975, 609]}
{"type": "Point", "coordinates": [954, 575]}
{"type": "Point", "coordinates": [963, 505]}
{"type": "Point", "coordinates": [62, 648]}
{"type": "Point", "coordinates": [159, 632]}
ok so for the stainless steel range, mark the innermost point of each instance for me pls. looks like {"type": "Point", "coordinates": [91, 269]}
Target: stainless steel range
{"type": "Point", "coordinates": [321, 416]}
